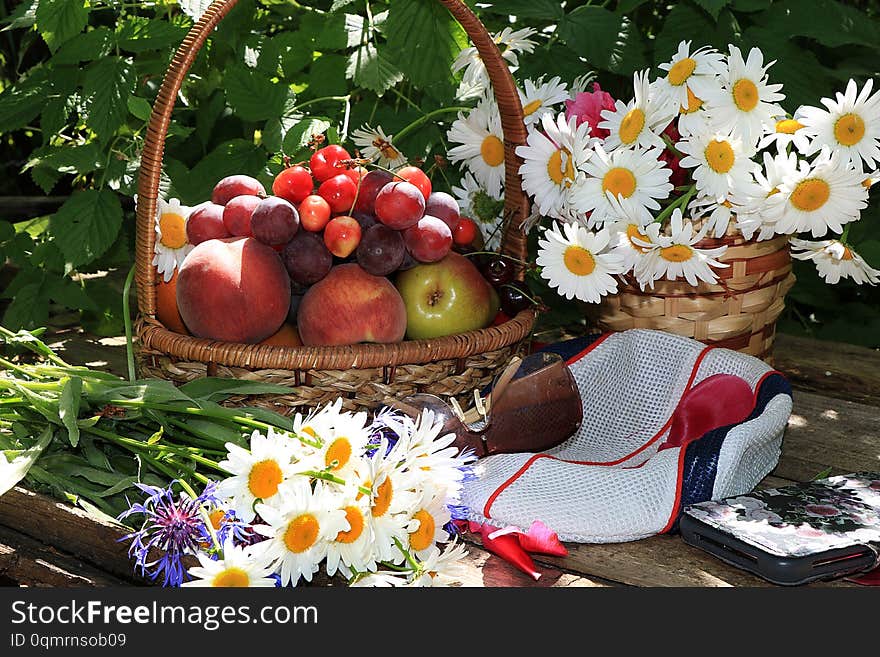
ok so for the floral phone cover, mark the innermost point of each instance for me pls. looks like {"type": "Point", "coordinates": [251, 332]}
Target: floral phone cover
{"type": "Point", "coordinates": [801, 519]}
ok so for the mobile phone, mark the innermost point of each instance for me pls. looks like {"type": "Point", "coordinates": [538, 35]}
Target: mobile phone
{"type": "Point", "coordinates": [795, 534]}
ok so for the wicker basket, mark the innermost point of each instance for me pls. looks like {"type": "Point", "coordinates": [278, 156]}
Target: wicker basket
{"type": "Point", "coordinates": [365, 375]}
{"type": "Point", "coordinates": [739, 312]}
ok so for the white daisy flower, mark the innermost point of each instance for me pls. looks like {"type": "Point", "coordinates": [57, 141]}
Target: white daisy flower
{"type": "Point", "coordinates": [690, 75]}
{"type": "Point", "coordinates": [871, 179]}
{"type": "Point", "coordinates": [240, 567]}
{"type": "Point", "coordinates": [638, 123]}
{"type": "Point", "coordinates": [300, 528]}
{"type": "Point", "coordinates": [442, 568]}
{"type": "Point", "coordinates": [820, 196]}
{"type": "Point", "coordinates": [629, 223]}
{"type": "Point", "coordinates": [383, 578]}
{"type": "Point", "coordinates": [577, 263]}
{"type": "Point", "coordinates": [638, 175]}
{"type": "Point", "coordinates": [343, 444]}
{"type": "Point", "coordinates": [850, 125]}
{"type": "Point", "coordinates": [257, 475]}
{"type": "Point", "coordinates": [715, 213]}
{"type": "Point", "coordinates": [172, 245]}
{"type": "Point", "coordinates": [746, 102]}
{"type": "Point", "coordinates": [720, 161]}
{"type": "Point", "coordinates": [693, 118]}
{"type": "Point", "coordinates": [485, 209]}
{"type": "Point", "coordinates": [475, 79]}
{"type": "Point", "coordinates": [835, 260]}
{"type": "Point", "coordinates": [539, 97]}
{"type": "Point", "coordinates": [551, 160]}
{"type": "Point", "coordinates": [675, 255]}
{"type": "Point", "coordinates": [787, 132]}
{"type": "Point", "coordinates": [481, 145]}
{"type": "Point", "coordinates": [427, 520]}
{"type": "Point", "coordinates": [317, 426]}
{"type": "Point", "coordinates": [374, 145]}
{"type": "Point", "coordinates": [753, 214]}
{"type": "Point", "coordinates": [351, 548]}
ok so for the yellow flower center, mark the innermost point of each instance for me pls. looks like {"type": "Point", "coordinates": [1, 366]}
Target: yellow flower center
{"type": "Point", "coordinates": [867, 183]}
{"type": "Point", "coordinates": [849, 129]}
{"type": "Point", "coordinates": [555, 170]}
{"type": "Point", "coordinates": [216, 518]}
{"type": "Point", "coordinates": [309, 431]}
{"type": "Point", "coordinates": [847, 253]}
{"type": "Point", "coordinates": [264, 479]}
{"type": "Point", "coordinates": [492, 150]}
{"type": "Point", "coordinates": [301, 533]}
{"type": "Point", "coordinates": [619, 181]}
{"type": "Point", "coordinates": [745, 94]}
{"type": "Point", "coordinates": [810, 194]}
{"type": "Point", "coordinates": [173, 229]}
{"type": "Point", "coordinates": [384, 493]}
{"type": "Point", "coordinates": [422, 537]}
{"type": "Point", "coordinates": [677, 253]}
{"type": "Point", "coordinates": [788, 126]}
{"type": "Point", "coordinates": [719, 156]}
{"type": "Point", "coordinates": [532, 107]}
{"type": "Point", "coordinates": [338, 454]}
{"type": "Point", "coordinates": [356, 522]}
{"type": "Point", "coordinates": [631, 126]}
{"type": "Point", "coordinates": [579, 261]}
{"type": "Point", "coordinates": [386, 149]}
{"type": "Point", "coordinates": [632, 231]}
{"type": "Point", "coordinates": [681, 71]}
{"type": "Point", "coordinates": [231, 578]}
{"type": "Point", "coordinates": [694, 103]}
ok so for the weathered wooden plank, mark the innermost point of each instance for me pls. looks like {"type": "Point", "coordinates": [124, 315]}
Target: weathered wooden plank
{"type": "Point", "coordinates": [28, 562]}
{"type": "Point", "coordinates": [835, 369]}
{"type": "Point", "coordinates": [828, 433]}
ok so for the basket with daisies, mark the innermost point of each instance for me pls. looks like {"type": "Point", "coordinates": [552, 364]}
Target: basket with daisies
{"type": "Point", "coordinates": [680, 208]}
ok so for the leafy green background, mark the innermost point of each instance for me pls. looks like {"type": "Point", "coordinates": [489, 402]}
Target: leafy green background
{"type": "Point", "coordinates": [78, 77]}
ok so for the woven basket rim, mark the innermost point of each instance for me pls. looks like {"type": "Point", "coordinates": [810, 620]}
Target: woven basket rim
{"type": "Point", "coordinates": [154, 336]}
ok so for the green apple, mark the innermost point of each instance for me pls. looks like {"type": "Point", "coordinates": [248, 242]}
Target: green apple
{"type": "Point", "coordinates": [446, 297]}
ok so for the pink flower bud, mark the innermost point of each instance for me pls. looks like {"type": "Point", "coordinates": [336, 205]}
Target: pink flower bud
{"type": "Point", "coordinates": [587, 106]}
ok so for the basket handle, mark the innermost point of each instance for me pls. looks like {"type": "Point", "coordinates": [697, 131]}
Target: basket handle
{"type": "Point", "coordinates": [516, 205]}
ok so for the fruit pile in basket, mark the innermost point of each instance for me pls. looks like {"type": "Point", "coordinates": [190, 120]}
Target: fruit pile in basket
{"type": "Point", "coordinates": [332, 255]}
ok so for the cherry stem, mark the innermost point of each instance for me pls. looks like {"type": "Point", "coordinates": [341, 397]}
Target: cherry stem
{"type": "Point", "coordinates": [524, 263]}
{"type": "Point", "coordinates": [535, 302]}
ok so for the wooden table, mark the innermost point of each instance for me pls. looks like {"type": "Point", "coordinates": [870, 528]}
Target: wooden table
{"type": "Point", "coordinates": [835, 426]}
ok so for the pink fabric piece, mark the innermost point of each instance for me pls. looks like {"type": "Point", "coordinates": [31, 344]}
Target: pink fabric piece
{"type": "Point", "coordinates": [587, 107]}
{"type": "Point", "coordinates": [539, 539]}
{"type": "Point", "coordinates": [717, 401]}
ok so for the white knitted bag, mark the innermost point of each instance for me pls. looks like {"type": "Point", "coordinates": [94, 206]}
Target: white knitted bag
{"type": "Point", "coordinates": [609, 482]}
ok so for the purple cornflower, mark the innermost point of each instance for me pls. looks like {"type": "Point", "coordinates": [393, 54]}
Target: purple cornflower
{"type": "Point", "coordinates": [172, 527]}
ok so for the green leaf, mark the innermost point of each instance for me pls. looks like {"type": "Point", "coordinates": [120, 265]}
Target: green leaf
{"type": "Point", "coordinates": [750, 5]}
{"type": "Point", "coordinates": [218, 389]}
{"type": "Point", "coordinates": [81, 158]}
{"type": "Point", "coordinates": [549, 9]}
{"type": "Point", "coordinates": [22, 102]}
{"type": "Point", "coordinates": [24, 15]}
{"type": "Point", "coordinates": [85, 47]}
{"type": "Point", "coordinates": [138, 34]}
{"type": "Point", "coordinates": [870, 251]}
{"type": "Point", "coordinates": [234, 156]}
{"type": "Point", "coordinates": [829, 22]}
{"type": "Point", "coordinates": [339, 4]}
{"type": "Point", "coordinates": [68, 407]}
{"type": "Point", "coordinates": [370, 69]}
{"type": "Point", "coordinates": [86, 225]}
{"type": "Point", "coordinates": [253, 96]}
{"type": "Point", "coordinates": [626, 6]}
{"type": "Point", "coordinates": [21, 461]}
{"type": "Point", "coordinates": [60, 20]}
{"type": "Point", "coordinates": [425, 40]}
{"type": "Point", "coordinates": [29, 308]}
{"type": "Point", "coordinates": [296, 52]}
{"type": "Point", "coordinates": [713, 7]}
{"type": "Point", "coordinates": [54, 117]}
{"type": "Point", "coordinates": [107, 84]}
{"type": "Point", "coordinates": [156, 437]}
{"type": "Point", "coordinates": [139, 107]}
{"type": "Point", "coordinates": [68, 293]}
{"type": "Point", "coordinates": [298, 137]}
{"type": "Point", "coordinates": [327, 76]}
{"type": "Point", "coordinates": [604, 39]}
{"type": "Point", "coordinates": [687, 22]}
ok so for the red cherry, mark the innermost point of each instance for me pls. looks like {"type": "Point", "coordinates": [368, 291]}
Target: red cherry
{"type": "Point", "coordinates": [339, 192]}
{"type": "Point", "coordinates": [323, 162]}
{"type": "Point", "coordinates": [355, 174]}
{"type": "Point", "coordinates": [465, 231]}
{"type": "Point", "coordinates": [417, 177]}
{"type": "Point", "coordinates": [293, 184]}
{"type": "Point", "coordinates": [314, 213]}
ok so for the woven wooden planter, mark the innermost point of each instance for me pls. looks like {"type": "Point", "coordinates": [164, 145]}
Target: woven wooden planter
{"type": "Point", "coordinates": [739, 312]}
{"type": "Point", "coordinates": [365, 374]}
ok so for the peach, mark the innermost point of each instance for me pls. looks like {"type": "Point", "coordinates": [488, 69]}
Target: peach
{"type": "Point", "coordinates": [287, 336]}
{"type": "Point", "coordinates": [234, 289]}
{"type": "Point", "coordinates": [349, 306]}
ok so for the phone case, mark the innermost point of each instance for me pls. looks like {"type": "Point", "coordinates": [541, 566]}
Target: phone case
{"type": "Point", "coordinates": [795, 534]}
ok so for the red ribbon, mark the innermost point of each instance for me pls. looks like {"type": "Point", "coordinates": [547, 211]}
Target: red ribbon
{"type": "Point", "coordinates": [513, 545]}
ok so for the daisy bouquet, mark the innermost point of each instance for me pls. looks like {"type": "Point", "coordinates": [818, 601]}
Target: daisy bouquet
{"type": "Point", "coordinates": [368, 502]}
{"type": "Point", "coordinates": [644, 190]}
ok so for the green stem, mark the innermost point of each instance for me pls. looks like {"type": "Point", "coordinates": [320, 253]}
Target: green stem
{"type": "Point", "coordinates": [844, 235]}
{"type": "Point", "coordinates": [427, 117]}
{"type": "Point", "coordinates": [126, 318]}
{"type": "Point", "coordinates": [678, 203]}
{"type": "Point", "coordinates": [342, 99]}
{"type": "Point", "coordinates": [326, 476]}
{"type": "Point", "coordinates": [416, 566]}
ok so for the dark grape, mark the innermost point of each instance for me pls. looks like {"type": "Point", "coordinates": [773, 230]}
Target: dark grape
{"type": "Point", "coordinates": [381, 250]}
{"type": "Point", "coordinates": [497, 271]}
{"type": "Point", "coordinates": [370, 186]}
{"type": "Point", "coordinates": [514, 297]}
{"type": "Point", "coordinates": [408, 262]}
{"type": "Point", "coordinates": [365, 219]}
{"type": "Point", "coordinates": [445, 207]}
{"type": "Point", "coordinates": [274, 221]}
{"type": "Point", "coordinates": [306, 258]}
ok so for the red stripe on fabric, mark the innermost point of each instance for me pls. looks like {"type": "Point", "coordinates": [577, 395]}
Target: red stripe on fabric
{"type": "Point", "coordinates": [589, 348]}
